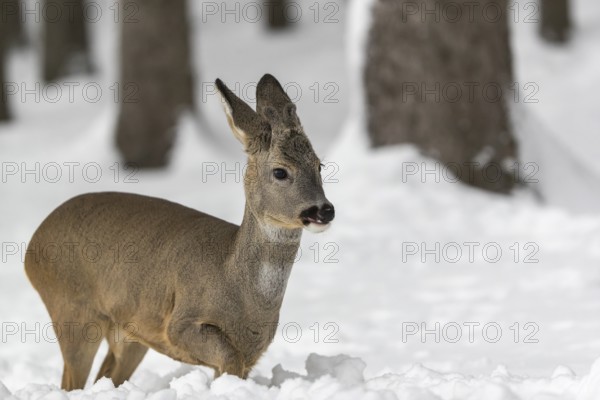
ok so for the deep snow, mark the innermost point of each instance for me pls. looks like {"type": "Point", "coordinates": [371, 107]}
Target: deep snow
{"type": "Point", "coordinates": [517, 279]}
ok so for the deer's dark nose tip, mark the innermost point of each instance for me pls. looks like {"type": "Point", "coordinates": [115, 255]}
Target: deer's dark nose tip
{"type": "Point", "coordinates": [327, 213]}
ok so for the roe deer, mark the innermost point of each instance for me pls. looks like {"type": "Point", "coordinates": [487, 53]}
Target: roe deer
{"type": "Point", "coordinates": [200, 290]}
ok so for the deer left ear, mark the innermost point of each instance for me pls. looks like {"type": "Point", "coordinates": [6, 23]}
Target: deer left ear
{"type": "Point", "coordinates": [244, 122]}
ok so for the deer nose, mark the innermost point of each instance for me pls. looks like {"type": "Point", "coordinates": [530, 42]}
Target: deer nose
{"type": "Point", "coordinates": [327, 213]}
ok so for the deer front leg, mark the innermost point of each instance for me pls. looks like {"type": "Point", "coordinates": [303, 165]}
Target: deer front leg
{"type": "Point", "coordinates": [206, 344]}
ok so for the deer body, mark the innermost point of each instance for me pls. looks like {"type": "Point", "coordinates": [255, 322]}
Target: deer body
{"type": "Point", "coordinates": [163, 276]}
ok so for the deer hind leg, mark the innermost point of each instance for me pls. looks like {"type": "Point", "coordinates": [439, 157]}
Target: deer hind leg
{"type": "Point", "coordinates": [124, 356]}
{"type": "Point", "coordinates": [79, 334]}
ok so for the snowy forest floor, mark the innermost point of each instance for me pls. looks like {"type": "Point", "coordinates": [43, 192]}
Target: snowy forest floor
{"type": "Point", "coordinates": [508, 311]}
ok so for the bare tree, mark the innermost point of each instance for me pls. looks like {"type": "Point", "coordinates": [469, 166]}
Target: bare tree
{"type": "Point", "coordinates": [11, 16]}
{"type": "Point", "coordinates": [156, 79]}
{"type": "Point", "coordinates": [437, 78]}
{"type": "Point", "coordinates": [65, 39]}
{"type": "Point", "coordinates": [4, 27]}
{"type": "Point", "coordinates": [556, 20]}
{"type": "Point", "coordinates": [4, 114]}
{"type": "Point", "coordinates": [276, 13]}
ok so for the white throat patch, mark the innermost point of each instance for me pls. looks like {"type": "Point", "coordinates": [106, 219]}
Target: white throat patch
{"type": "Point", "coordinates": [272, 280]}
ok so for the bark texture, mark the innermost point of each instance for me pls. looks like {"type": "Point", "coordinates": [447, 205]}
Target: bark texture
{"type": "Point", "coordinates": [4, 27]}
{"type": "Point", "coordinates": [275, 11]}
{"type": "Point", "coordinates": [438, 75]}
{"type": "Point", "coordinates": [556, 20]}
{"type": "Point", "coordinates": [156, 79]}
{"type": "Point", "coordinates": [65, 39]}
{"type": "Point", "coordinates": [10, 12]}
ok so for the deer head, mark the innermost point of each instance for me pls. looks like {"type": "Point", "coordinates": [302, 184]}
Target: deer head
{"type": "Point", "coordinates": [283, 183]}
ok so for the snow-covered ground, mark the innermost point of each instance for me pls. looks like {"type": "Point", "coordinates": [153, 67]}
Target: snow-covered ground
{"type": "Point", "coordinates": [422, 289]}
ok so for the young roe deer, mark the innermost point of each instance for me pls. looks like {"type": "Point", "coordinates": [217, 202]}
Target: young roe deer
{"type": "Point", "coordinates": [200, 290]}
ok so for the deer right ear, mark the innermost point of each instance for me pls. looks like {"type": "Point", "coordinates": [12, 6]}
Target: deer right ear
{"type": "Point", "coordinates": [243, 120]}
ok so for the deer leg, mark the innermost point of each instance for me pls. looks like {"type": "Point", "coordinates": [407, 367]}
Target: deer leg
{"type": "Point", "coordinates": [107, 366]}
{"type": "Point", "coordinates": [124, 356]}
{"type": "Point", "coordinates": [78, 345]}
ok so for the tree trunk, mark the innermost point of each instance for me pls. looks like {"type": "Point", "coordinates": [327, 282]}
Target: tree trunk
{"type": "Point", "coordinates": [276, 13]}
{"type": "Point", "coordinates": [156, 79]}
{"type": "Point", "coordinates": [556, 20]}
{"type": "Point", "coordinates": [4, 114]}
{"type": "Point", "coordinates": [65, 39]}
{"type": "Point", "coordinates": [441, 80]}
{"type": "Point", "coordinates": [10, 15]}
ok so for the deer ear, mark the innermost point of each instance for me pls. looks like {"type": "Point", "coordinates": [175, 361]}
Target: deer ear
{"type": "Point", "coordinates": [270, 93]}
{"type": "Point", "coordinates": [243, 120]}
{"type": "Point", "coordinates": [289, 114]}
{"type": "Point", "coordinates": [271, 115]}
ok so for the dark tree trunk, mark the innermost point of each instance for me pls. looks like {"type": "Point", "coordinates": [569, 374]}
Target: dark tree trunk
{"type": "Point", "coordinates": [276, 13]}
{"type": "Point", "coordinates": [10, 15]}
{"type": "Point", "coordinates": [4, 114]}
{"type": "Point", "coordinates": [432, 80]}
{"type": "Point", "coordinates": [156, 80]}
{"type": "Point", "coordinates": [556, 20]}
{"type": "Point", "coordinates": [65, 39]}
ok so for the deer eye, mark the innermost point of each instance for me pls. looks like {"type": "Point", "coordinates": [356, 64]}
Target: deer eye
{"type": "Point", "coordinates": [280, 173]}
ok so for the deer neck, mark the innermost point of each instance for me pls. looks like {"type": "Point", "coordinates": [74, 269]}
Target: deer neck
{"type": "Point", "coordinates": [264, 255]}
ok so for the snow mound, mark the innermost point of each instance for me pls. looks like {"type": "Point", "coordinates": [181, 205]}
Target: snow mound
{"type": "Point", "coordinates": [334, 377]}
{"type": "Point", "coordinates": [348, 370]}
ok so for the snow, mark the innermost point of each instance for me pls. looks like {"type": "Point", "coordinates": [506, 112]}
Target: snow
{"type": "Point", "coordinates": [338, 377]}
{"type": "Point", "coordinates": [422, 289]}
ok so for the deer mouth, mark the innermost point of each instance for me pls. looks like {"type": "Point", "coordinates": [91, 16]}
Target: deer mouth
{"type": "Point", "coordinates": [315, 225]}
{"type": "Point", "coordinates": [317, 219]}
{"type": "Point", "coordinates": [313, 220]}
